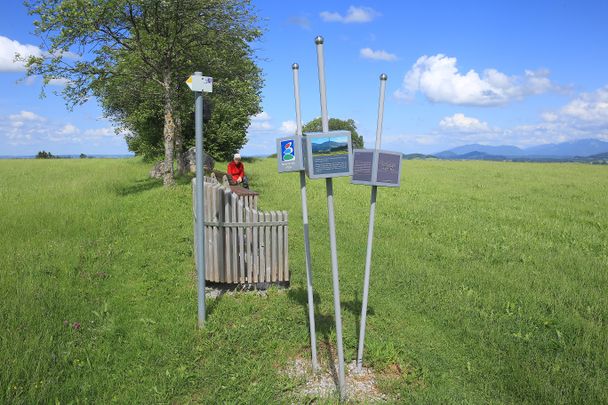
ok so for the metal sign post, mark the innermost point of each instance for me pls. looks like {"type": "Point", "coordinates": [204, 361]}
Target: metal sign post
{"type": "Point", "coordinates": [311, 308]}
{"type": "Point", "coordinates": [332, 224]}
{"type": "Point", "coordinates": [199, 84]}
{"type": "Point", "coordinates": [372, 214]}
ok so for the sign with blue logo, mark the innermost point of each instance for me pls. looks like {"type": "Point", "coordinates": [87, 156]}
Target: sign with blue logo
{"type": "Point", "coordinates": [289, 154]}
{"type": "Point", "coordinates": [287, 150]}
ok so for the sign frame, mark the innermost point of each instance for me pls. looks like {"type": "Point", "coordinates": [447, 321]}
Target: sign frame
{"type": "Point", "coordinates": [374, 169]}
{"type": "Point", "coordinates": [310, 159]}
{"type": "Point", "coordinates": [294, 165]}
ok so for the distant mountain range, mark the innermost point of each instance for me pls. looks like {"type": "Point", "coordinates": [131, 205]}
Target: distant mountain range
{"type": "Point", "coordinates": [581, 150]}
{"type": "Point", "coordinates": [328, 146]}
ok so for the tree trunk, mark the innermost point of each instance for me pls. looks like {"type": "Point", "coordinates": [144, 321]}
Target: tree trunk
{"type": "Point", "coordinates": [179, 147]}
{"type": "Point", "coordinates": [168, 134]}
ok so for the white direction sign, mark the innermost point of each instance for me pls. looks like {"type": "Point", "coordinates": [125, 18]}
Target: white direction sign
{"type": "Point", "coordinates": [200, 83]}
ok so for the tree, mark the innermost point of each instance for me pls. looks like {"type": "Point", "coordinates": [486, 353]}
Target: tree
{"type": "Point", "coordinates": [44, 155]}
{"type": "Point", "coordinates": [135, 55]}
{"type": "Point", "coordinates": [336, 124]}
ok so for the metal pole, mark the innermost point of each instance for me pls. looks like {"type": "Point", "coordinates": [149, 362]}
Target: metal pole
{"type": "Point", "coordinates": [370, 231]}
{"type": "Point", "coordinates": [332, 224]}
{"type": "Point", "coordinates": [311, 305]}
{"type": "Point", "coordinates": [200, 220]}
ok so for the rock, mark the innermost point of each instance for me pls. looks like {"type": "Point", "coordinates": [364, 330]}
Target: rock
{"type": "Point", "coordinates": [158, 170]}
{"type": "Point", "coordinates": [190, 161]}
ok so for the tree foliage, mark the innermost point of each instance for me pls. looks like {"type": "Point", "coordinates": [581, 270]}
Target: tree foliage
{"type": "Point", "coordinates": [336, 124]}
{"type": "Point", "coordinates": [135, 55]}
{"type": "Point", "coordinates": [45, 155]}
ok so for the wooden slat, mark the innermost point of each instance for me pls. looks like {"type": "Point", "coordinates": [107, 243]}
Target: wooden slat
{"type": "Point", "coordinates": [241, 244]}
{"type": "Point", "coordinates": [268, 252]}
{"type": "Point", "coordinates": [209, 229]}
{"type": "Point", "coordinates": [234, 247]}
{"type": "Point", "coordinates": [194, 221]}
{"type": "Point", "coordinates": [262, 245]}
{"type": "Point", "coordinates": [255, 268]}
{"type": "Point", "coordinates": [285, 248]}
{"type": "Point", "coordinates": [227, 245]}
{"type": "Point", "coordinates": [279, 247]}
{"type": "Point", "coordinates": [275, 261]}
{"type": "Point", "coordinates": [216, 234]}
{"type": "Point", "coordinates": [248, 235]}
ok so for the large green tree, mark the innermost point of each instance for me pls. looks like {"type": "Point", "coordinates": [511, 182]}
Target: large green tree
{"type": "Point", "coordinates": [135, 55]}
{"type": "Point", "coordinates": [336, 124]}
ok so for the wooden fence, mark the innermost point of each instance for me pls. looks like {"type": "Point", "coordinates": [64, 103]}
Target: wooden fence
{"type": "Point", "coordinates": [242, 245]}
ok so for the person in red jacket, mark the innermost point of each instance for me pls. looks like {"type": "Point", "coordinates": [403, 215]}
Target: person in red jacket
{"type": "Point", "coordinates": [236, 170]}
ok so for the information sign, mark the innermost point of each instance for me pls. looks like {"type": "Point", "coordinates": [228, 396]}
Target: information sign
{"type": "Point", "coordinates": [328, 154]}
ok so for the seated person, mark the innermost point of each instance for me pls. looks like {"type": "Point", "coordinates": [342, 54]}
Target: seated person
{"type": "Point", "coordinates": [236, 171]}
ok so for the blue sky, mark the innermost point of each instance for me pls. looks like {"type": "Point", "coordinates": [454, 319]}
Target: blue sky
{"type": "Point", "coordinates": [511, 72]}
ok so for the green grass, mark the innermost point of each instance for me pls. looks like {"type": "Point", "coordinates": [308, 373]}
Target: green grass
{"type": "Point", "coordinates": [488, 285]}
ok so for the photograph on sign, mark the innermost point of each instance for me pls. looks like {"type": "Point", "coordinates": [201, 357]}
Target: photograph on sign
{"type": "Point", "coordinates": [328, 154]}
{"type": "Point", "coordinates": [289, 154]}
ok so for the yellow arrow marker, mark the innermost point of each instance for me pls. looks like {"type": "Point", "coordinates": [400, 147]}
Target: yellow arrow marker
{"type": "Point", "coordinates": [189, 81]}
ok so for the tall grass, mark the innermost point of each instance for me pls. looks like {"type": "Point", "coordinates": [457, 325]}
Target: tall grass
{"type": "Point", "coordinates": [488, 285]}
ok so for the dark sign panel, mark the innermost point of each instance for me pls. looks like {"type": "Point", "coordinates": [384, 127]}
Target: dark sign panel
{"type": "Point", "coordinates": [362, 165]}
{"type": "Point", "coordinates": [389, 168]}
{"type": "Point", "coordinates": [376, 168]}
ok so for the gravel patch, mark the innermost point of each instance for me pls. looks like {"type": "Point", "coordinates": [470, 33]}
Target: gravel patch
{"type": "Point", "coordinates": [360, 385]}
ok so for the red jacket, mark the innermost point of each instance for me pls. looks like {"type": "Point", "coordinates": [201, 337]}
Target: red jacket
{"type": "Point", "coordinates": [236, 170]}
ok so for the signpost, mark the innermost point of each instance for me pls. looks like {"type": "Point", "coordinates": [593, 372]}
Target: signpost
{"type": "Point", "coordinates": [376, 168]}
{"type": "Point", "coordinates": [290, 159]}
{"type": "Point", "coordinates": [330, 210]}
{"type": "Point", "coordinates": [199, 84]}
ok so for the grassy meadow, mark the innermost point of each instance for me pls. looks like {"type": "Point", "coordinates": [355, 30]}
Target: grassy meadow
{"type": "Point", "coordinates": [488, 285]}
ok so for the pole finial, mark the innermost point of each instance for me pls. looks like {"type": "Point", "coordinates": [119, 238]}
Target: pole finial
{"type": "Point", "coordinates": [295, 66]}
{"type": "Point", "coordinates": [319, 40]}
{"type": "Point", "coordinates": [383, 76]}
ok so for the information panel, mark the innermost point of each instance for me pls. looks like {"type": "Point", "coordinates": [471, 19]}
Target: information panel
{"type": "Point", "coordinates": [376, 168]}
{"type": "Point", "coordinates": [289, 154]}
{"type": "Point", "coordinates": [328, 154]}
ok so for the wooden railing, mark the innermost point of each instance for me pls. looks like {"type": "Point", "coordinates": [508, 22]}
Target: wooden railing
{"type": "Point", "coordinates": [242, 245]}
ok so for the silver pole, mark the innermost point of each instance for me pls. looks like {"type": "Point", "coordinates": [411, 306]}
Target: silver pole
{"type": "Point", "coordinates": [370, 231]}
{"type": "Point", "coordinates": [200, 180]}
{"type": "Point", "coordinates": [332, 223]}
{"type": "Point", "coordinates": [311, 305]}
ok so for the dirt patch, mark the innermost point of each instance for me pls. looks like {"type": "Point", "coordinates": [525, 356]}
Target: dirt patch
{"type": "Point", "coordinates": [360, 385]}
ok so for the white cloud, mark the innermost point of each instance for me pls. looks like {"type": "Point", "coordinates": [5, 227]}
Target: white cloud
{"type": "Point", "coordinates": [353, 15]}
{"type": "Point", "coordinates": [260, 122]}
{"type": "Point", "coordinates": [58, 82]}
{"type": "Point", "coordinates": [589, 107]}
{"type": "Point", "coordinates": [263, 116]}
{"type": "Point", "coordinates": [69, 129]}
{"type": "Point", "coordinates": [438, 78]}
{"type": "Point", "coordinates": [8, 50]}
{"type": "Point", "coordinates": [288, 127]}
{"type": "Point", "coordinates": [26, 116]}
{"type": "Point", "coordinates": [29, 129]}
{"type": "Point", "coordinates": [100, 132]}
{"type": "Point", "coordinates": [368, 53]}
{"type": "Point", "coordinates": [460, 123]}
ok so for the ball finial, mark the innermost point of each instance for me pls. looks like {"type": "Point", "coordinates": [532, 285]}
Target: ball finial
{"type": "Point", "coordinates": [319, 40]}
{"type": "Point", "coordinates": [295, 66]}
{"type": "Point", "coordinates": [383, 76]}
